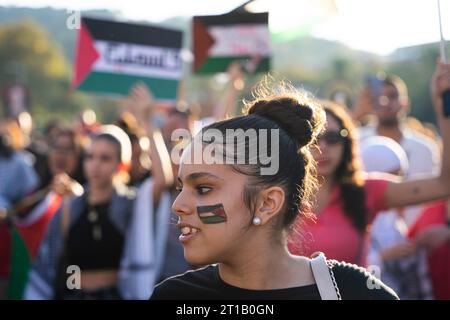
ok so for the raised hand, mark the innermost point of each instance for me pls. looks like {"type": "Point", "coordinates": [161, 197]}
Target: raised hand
{"type": "Point", "coordinates": [65, 186]}
{"type": "Point", "coordinates": [364, 104]}
{"type": "Point", "coordinates": [142, 102]}
{"type": "Point", "coordinates": [434, 237]}
{"type": "Point", "coordinates": [400, 250]}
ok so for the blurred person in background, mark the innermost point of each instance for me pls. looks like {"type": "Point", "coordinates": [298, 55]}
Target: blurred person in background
{"type": "Point", "coordinates": [88, 230]}
{"type": "Point", "coordinates": [388, 100]}
{"type": "Point", "coordinates": [140, 144]}
{"type": "Point", "coordinates": [431, 231]}
{"type": "Point", "coordinates": [65, 161]}
{"type": "Point", "coordinates": [347, 200]}
{"type": "Point", "coordinates": [401, 262]}
{"type": "Point", "coordinates": [17, 180]}
{"type": "Point", "coordinates": [101, 232]}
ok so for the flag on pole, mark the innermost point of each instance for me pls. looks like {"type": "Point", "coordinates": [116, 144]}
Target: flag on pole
{"type": "Point", "coordinates": [220, 40]}
{"type": "Point", "coordinates": [112, 56]}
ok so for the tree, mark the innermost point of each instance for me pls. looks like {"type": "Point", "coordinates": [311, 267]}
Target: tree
{"type": "Point", "coordinates": [30, 58]}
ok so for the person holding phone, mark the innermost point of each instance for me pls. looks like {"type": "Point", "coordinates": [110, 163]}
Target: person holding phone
{"type": "Point", "coordinates": [387, 99]}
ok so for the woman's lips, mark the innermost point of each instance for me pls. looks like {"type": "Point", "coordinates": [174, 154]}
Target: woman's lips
{"type": "Point", "coordinates": [323, 161]}
{"type": "Point", "coordinates": [188, 232]}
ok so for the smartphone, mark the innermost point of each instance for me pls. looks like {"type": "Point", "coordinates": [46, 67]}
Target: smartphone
{"type": "Point", "coordinates": [375, 86]}
{"type": "Point", "coordinates": [446, 103]}
{"type": "Point", "coordinates": [446, 94]}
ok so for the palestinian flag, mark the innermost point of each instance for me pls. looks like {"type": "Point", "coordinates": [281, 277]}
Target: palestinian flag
{"type": "Point", "coordinates": [212, 214]}
{"type": "Point", "coordinates": [20, 265]}
{"type": "Point", "coordinates": [26, 236]}
{"type": "Point", "coordinates": [219, 40]}
{"type": "Point", "coordinates": [112, 56]}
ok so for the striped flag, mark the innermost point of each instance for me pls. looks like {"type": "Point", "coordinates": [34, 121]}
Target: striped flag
{"type": "Point", "coordinates": [219, 40]}
{"type": "Point", "coordinates": [20, 264]}
{"type": "Point", "coordinates": [26, 236]}
{"type": "Point", "coordinates": [112, 56]}
{"type": "Point", "coordinates": [212, 214]}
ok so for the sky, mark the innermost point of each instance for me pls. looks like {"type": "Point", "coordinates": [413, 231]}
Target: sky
{"type": "Point", "coordinates": [378, 26]}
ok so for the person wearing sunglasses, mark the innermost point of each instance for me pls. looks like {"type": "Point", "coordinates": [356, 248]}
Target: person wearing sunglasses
{"type": "Point", "coordinates": [348, 200]}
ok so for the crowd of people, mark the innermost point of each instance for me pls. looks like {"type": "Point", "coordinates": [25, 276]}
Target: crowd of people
{"type": "Point", "coordinates": [102, 211]}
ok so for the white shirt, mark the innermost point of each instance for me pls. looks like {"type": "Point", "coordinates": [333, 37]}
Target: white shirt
{"type": "Point", "coordinates": [422, 152]}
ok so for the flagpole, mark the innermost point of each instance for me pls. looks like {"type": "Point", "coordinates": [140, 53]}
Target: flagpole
{"type": "Point", "coordinates": [241, 8]}
{"type": "Point", "coordinates": [442, 43]}
{"type": "Point", "coordinates": [446, 94]}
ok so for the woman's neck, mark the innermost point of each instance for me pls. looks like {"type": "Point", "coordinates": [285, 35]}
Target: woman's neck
{"type": "Point", "coordinates": [266, 268]}
{"type": "Point", "coordinates": [100, 194]}
{"type": "Point", "coordinates": [326, 182]}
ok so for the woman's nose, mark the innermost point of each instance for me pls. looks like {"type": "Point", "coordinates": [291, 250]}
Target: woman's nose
{"type": "Point", "coordinates": [180, 206]}
{"type": "Point", "coordinates": [322, 146]}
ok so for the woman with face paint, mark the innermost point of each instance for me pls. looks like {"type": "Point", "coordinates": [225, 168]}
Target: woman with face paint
{"type": "Point", "coordinates": [235, 214]}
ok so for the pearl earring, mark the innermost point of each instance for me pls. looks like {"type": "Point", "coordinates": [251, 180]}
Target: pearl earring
{"type": "Point", "coordinates": [256, 221]}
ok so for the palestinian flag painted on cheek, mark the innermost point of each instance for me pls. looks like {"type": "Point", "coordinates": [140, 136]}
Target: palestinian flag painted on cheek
{"type": "Point", "coordinates": [212, 214]}
{"type": "Point", "coordinates": [220, 40]}
{"type": "Point", "coordinates": [112, 56]}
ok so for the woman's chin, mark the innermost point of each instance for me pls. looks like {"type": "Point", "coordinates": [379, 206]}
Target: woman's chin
{"type": "Point", "coordinates": [196, 259]}
{"type": "Point", "coordinates": [324, 172]}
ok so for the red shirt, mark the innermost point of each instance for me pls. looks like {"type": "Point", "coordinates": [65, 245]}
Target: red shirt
{"type": "Point", "coordinates": [333, 232]}
{"type": "Point", "coordinates": [439, 259]}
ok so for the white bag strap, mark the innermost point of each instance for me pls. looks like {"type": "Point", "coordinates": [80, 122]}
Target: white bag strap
{"type": "Point", "coordinates": [322, 275]}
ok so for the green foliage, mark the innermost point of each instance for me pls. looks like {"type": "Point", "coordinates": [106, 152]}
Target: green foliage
{"type": "Point", "coordinates": [28, 57]}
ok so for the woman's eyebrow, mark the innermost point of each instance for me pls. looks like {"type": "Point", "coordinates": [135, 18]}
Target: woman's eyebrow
{"type": "Point", "coordinates": [196, 175]}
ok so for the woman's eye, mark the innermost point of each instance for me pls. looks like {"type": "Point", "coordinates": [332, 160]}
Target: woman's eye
{"type": "Point", "coordinates": [203, 190]}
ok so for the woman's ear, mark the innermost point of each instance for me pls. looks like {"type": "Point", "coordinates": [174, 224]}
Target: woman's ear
{"type": "Point", "coordinates": [270, 203]}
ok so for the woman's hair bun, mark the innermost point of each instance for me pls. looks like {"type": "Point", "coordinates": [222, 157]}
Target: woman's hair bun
{"type": "Point", "coordinates": [299, 120]}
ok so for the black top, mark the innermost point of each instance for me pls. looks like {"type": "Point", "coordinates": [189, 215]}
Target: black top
{"type": "Point", "coordinates": [93, 242]}
{"type": "Point", "coordinates": [206, 284]}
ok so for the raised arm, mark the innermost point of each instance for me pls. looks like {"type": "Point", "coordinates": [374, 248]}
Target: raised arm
{"type": "Point", "coordinates": [142, 106]}
{"type": "Point", "coordinates": [235, 85]}
{"type": "Point", "coordinates": [363, 106]}
{"type": "Point", "coordinates": [419, 191]}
